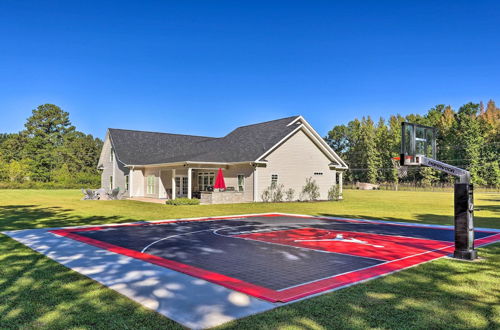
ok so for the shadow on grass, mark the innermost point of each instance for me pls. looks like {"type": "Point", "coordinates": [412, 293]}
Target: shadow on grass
{"type": "Point", "coordinates": [490, 208]}
{"type": "Point", "coordinates": [442, 294]}
{"type": "Point", "coordinates": [36, 292]}
{"type": "Point", "coordinates": [15, 217]}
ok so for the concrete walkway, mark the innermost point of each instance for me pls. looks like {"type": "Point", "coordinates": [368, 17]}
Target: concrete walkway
{"type": "Point", "coordinates": [190, 301]}
{"type": "Point", "coordinates": [148, 199]}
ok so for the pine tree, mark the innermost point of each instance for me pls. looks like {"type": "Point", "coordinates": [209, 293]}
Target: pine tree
{"type": "Point", "coordinates": [394, 143]}
{"type": "Point", "coordinates": [490, 153]}
{"type": "Point", "coordinates": [354, 156]}
{"type": "Point", "coordinates": [371, 157]}
{"type": "Point", "coordinates": [338, 139]}
{"type": "Point", "coordinates": [45, 132]}
{"type": "Point", "coordinates": [469, 139]}
{"type": "Point", "coordinates": [384, 150]}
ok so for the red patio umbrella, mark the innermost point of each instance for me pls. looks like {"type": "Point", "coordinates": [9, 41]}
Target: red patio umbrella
{"type": "Point", "coordinates": [219, 180]}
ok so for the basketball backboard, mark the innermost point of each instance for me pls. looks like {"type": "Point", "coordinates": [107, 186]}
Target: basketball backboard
{"type": "Point", "coordinates": [416, 141]}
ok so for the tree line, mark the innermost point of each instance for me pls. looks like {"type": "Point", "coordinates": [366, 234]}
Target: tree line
{"type": "Point", "coordinates": [468, 138]}
{"type": "Point", "coordinates": [49, 151]}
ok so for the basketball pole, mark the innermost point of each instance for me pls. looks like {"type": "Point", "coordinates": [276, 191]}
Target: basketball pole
{"type": "Point", "coordinates": [464, 222]}
{"type": "Point", "coordinates": [464, 207]}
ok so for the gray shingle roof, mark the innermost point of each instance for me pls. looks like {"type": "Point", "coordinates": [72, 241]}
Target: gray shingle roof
{"type": "Point", "coordinates": [246, 143]}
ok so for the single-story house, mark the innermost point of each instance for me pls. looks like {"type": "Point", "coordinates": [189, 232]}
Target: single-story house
{"type": "Point", "coordinates": [285, 151]}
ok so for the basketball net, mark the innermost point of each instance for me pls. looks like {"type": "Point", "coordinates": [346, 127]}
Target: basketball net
{"type": "Point", "coordinates": [402, 170]}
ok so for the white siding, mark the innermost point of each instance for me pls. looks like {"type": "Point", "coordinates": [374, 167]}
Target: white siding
{"type": "Point", "coordinates": [112, 168]}
{"type": "Point", "coordinates": [137, 183]}
{"type": "Point", "coordinates": [107, 170]}
{"type": "Point", "coordinates": [297, 159]}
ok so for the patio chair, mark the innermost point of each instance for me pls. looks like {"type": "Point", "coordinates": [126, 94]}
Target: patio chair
{"type": "Point", "coordinates": [100, 193]}
{"type": "Point", "coordinates": [88, 194]}
{"type": "Point", "coordinates": [113, 195]}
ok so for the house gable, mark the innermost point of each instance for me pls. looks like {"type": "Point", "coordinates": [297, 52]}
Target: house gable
{"type": "Point", "coordinates": [105, 151]}
{"type": "Point", "coordinates": [300, 124]}
{"type": "Point", "coordinates": [295, 160]}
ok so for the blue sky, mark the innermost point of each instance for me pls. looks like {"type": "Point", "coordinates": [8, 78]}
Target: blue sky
{"type": "Point", "coordinates": [205, 67]}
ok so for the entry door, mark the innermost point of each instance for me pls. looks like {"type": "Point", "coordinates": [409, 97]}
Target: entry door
{"type": "Point", "coordinates": [181, 186]}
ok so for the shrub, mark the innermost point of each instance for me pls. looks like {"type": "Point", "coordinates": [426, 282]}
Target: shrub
{"type": "Point", "coordinates": [278, 193]}
{"type": "Point", "coordinates": [290, 194]}
{"type": "Point", "coordinates": [334, 193]}
{"type": "Point", "coordinates": [44, 185]}
{"type": "Point", "coordinates": [266, 195]}
{"type": "Point", "coordinates": [18, 171]}
{"type": "Point", "coordinates": [183, 201]}
{"type": "Point", "coordinates": [88, 179]}
{"type": "Point", "coordinates": [310, 191]}
{"type": "Point", "coordinates": [273, 193]}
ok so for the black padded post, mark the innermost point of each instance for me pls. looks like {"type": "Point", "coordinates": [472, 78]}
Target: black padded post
{"type": "Point", "coordinates": [464, 222]}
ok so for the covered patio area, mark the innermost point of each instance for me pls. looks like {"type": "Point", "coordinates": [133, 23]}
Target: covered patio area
{"type": "Point", "coordinates": [192, 180]}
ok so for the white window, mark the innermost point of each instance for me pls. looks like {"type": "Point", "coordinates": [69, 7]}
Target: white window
{"type": "Point", "coordinates": [126, 182]}
{"type": "Point", "coordinates": [184, 186]}
{"type": "Point", "coordinates": [112, 155]}
{"type": "Point", "coordinates": [205, 179]}
{"type": "Point", "coordinates": [241, 182]}
{"type": "Point", "coordinates": [274, 179]}
{"type": "Point", "coordinates": [151, 185]}
{"type": "Point", "coordinates": [110, 182]}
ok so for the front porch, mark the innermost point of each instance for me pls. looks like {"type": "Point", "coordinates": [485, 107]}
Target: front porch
{"type": "Point", "coordinates": [159, 183]}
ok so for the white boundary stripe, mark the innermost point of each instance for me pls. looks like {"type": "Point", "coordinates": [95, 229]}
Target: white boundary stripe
{"type": "Point", "coordinates": [172, 236]}
{"type": "Point", "coordinates": [412, 224]}
{"type": "Point", "coordinates": [210, 218]}
{"type": "Point", "coordinates": [236, 216]}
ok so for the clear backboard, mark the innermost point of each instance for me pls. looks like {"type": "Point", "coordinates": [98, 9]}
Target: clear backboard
{"type": "Point", "coordinates": [416, 141]}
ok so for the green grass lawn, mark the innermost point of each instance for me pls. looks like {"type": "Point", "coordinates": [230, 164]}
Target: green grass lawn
{"type": "Point", "coordinates": [36, 292]}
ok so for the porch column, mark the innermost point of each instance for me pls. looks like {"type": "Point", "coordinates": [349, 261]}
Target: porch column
{"type": "Point", "coordinates": [130, 182]}
{"type": "Point", "coordinates": [340, 184]}
{"type": "Point", "coordinates": [255, 190]}
{"type": "Point", "coordinates": [190, 188]}
{"type": "Point", "coordinates": [173, 183]}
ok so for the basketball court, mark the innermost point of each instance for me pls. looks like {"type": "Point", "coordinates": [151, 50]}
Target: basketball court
{"type": "Point", "coordinates": [277, 257]}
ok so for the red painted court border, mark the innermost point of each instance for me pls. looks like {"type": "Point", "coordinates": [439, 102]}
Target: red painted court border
{"type": "Point", "coordinates": [285, 295]}
{"type": "Point", "coordinates": [227, 281]}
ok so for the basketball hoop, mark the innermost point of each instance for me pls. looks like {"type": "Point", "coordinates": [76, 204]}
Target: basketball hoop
{"type": "Point", "coordinates": [402, 170]}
